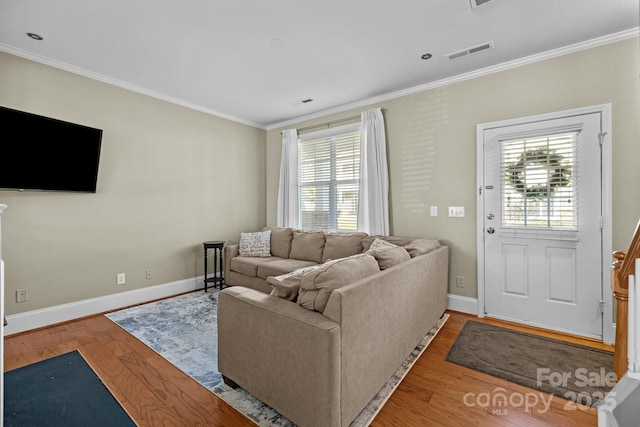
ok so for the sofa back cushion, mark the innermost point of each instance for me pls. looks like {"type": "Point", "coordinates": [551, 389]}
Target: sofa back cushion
{"type": "Point", "coordinates": [287, 285]}
{"type": "Point", "coordinates": [317, 284]}
{"type": "Point", "coordinates": [307, 245]}
{"type": "Point", "coordinates": [422, 246]}
{"type": "Point", "coordinates": [396, 240]}
{"type": "Point", "coordinates": [387, 254]}
{"type": "Point", "coordinates": [280, 241]}
{"type": "Point", "coordinates": [415, 246]}
{"type": "Point", "coordinates": [341, 245]}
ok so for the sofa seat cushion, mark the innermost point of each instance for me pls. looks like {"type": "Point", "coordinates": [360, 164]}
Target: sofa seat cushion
{"type": "Point", "coordinates": [249, 265]}
{"type": "Point", "coordinates": [317, 284]}
{"type": "Point", "coordinates": [342, 245]}
{"type": "Point", "coordinates": [281, 266]}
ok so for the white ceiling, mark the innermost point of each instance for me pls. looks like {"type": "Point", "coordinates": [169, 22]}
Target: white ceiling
{"type": "Point", "coordinates": [252, 60]}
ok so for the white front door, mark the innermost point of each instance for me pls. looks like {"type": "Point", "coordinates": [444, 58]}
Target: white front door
{"type": "Point", "coordinates": [542, 216]}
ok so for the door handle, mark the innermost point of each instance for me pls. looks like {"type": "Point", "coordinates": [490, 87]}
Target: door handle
{"type": "Point", "coordinates": [491, 230]}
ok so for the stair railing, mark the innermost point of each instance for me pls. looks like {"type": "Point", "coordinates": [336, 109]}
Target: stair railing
{"type": "Point", "coordinates": [633, 334]}
{"type": "Point", "coordinates": [624, 266]}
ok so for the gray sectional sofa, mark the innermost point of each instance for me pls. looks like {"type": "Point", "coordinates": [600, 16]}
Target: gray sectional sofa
{"type": "Point", "coordinates": [317, 332]}
{"type": "Point", "coordinates": [290, 250]}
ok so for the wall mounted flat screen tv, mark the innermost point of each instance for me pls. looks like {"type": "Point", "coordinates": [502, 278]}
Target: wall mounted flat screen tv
{"type": "Point", "coordinates": [41, 153]}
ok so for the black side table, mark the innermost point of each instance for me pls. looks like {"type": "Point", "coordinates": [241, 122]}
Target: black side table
{"type": "Point", "coordinates": [218, 277]}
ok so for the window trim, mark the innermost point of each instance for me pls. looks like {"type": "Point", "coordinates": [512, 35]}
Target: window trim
{"type": "Point", "coordinates": [329, 132]}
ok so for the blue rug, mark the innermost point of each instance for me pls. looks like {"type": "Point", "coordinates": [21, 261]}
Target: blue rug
{"type": "Point", "coordinates": [183, 330]}
{"type": "Point", "coordinates": [62, 391]}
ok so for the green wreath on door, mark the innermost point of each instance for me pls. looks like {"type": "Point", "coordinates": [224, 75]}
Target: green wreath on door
{"type": "Point", "coordinates": [558, 176]}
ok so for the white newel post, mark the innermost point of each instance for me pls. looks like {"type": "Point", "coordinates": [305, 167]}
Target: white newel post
{"type": "Point", "coordinates": [2, 208]}
{"type": "Point", "coordinates": [619, 408]}
{"type": "Point", "coordinates": [631, 325]}
{"type": "Point", "coordinates": [637, 320]}
{"type": "Point", "coordinates": [634, 344]}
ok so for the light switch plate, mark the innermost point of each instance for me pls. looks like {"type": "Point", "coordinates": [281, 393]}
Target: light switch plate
{"type": "Point", "coordinates": [456, 211]}
{"type": "Point", "coordinates": [434, 211]}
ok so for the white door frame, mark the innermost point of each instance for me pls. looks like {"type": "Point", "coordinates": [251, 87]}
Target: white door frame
{"type": "Point", "coordinates": [608, 328]}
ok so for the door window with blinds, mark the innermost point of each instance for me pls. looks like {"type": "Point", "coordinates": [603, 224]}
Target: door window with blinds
{"type": "Point", "coordinates": [328, 178]}
{"type": "Point", "coordinates": [539, 175]}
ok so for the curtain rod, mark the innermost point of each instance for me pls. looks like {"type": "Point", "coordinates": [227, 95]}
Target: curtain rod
{"type": "Point", "coordinates": [333, 122]}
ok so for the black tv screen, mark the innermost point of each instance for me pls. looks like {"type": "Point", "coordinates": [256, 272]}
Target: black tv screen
{"type": "Point", "coordinates": [41, 153]}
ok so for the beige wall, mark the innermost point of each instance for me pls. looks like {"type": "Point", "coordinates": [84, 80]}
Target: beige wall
{"type": "Point", "coordinates": [432, 143]}
{"type": "Point", "coordinates": [169, 178]}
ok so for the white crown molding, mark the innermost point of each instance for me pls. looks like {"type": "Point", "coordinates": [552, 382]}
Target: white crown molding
{"type": "Point", "coordinates": [22, 322]}
{"type": "Point", "coordinates": [600, 41]}
{"type": "Point", "coordinates": [114, 82]}
{"type": "Point", "coordinates": [577, 47]}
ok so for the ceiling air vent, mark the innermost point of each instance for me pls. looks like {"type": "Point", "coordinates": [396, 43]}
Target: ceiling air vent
{"type": "Point", "coordinates": [301, 101]}
{"type": "Point", "coordinates": [469, 51]}
{"type": "Point", "coordinates": [477, 3]}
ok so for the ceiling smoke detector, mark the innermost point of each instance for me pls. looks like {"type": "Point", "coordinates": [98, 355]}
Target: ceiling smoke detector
{"type": "Point", "coordinates": [469, 51]}
{"type": "Point", "coordinates": [477, 3]}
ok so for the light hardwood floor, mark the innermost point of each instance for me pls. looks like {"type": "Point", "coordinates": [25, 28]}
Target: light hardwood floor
{"type": "Point", "coordinates": [156, 393]}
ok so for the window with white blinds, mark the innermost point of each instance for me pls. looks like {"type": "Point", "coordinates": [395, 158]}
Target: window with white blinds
{"type": "Point", "coordinates": [539, 176]}
{"type": "Point", "coordinates": [328, 174]}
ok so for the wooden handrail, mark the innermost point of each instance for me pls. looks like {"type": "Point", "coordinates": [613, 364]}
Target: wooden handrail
{"type": "Point", "coordinates": [622, 268]}
{"type": "Point", "coordinates": [629, 265]}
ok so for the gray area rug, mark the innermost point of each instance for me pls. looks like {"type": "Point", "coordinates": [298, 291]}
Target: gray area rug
{"type": "Point", "coordinates": [578, 373]}
{"type": "Point", "coordinates": [62, 391]}
{"type": "Point", "coordinates": [183, 330]}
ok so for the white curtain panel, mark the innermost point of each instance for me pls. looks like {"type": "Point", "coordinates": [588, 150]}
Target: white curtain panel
{"type": "Point", "coordinates": [373, 203]}
{"type": "Point", "coordinates": [287, 212]}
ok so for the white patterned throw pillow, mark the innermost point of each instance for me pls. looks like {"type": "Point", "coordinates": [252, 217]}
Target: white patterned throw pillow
{"type": "Point", "coordinates": [255, 244]}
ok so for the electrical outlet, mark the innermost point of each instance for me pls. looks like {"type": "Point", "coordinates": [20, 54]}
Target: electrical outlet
{"type": "Point", "coordinates": [22, 295]}
{"type": "Point", "coordinates": [120, 279]}
{"type": "Point", "coordinates": [459, 281]}
{"type": "Point", "coordinates": [434, 211]}
{"type": "Point", "coordinates": [147, 273]}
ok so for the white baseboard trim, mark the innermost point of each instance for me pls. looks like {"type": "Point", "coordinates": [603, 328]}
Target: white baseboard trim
{"type": "Point", "coordinates": [22, 322]}
{"type": "Point", "coordinates": [470, 306]}
{"type": "Point", "coordinates": [62, 313]}
{"type": "Point", "coordinates": [463, 304]}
